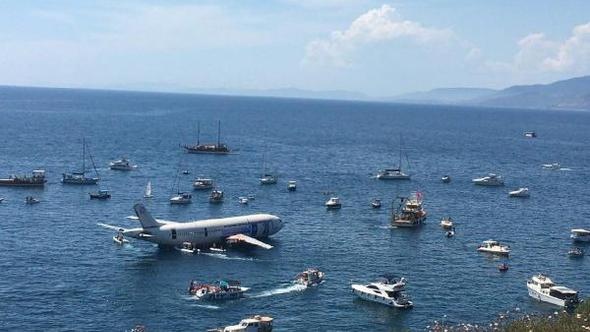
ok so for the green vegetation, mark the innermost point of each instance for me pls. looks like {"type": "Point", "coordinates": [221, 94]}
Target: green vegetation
{"type": "Point", "coordinates": [579, 320]}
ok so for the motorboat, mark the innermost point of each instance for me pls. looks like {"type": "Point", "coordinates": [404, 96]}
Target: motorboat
{"type": "Point", "coordinates": [186, 172]}
{"type": "Point", "coordinates": [385, 290]}
{"type": "Point", "coordinates": [268, 178]}
{"type": "Point", "coordinates": [576, 252]}
{"type": "Point", "coordinates": [530, 134]}
{"type": "Point", "coordinates": [450, 232]}
{"type": "Point", "coordinates": [292, 185]}
{"type": "Point", "coordinates": [243, 200]}
{"type": "Point", "coordinates": [542, 288]}
{"type": "Point", "coordinates": [80, 178]}
{"type": "Point", "coordinates": [101, 194]}
{"type": "Point", "coordinates": [187, 248]}
{"type": "Point", "coordinates": [148, 190]}
{"type": "Point", "coordinates": [376, 203]}
{"type": "Point", "coordinates": [217, 148]}
{"type": "Point", "coordinates": [120, 239]}
{"type": "Point", "coordinates": [215, 248]}
{"type": "Point", "coordinates": [394, 173]}
{"type": "Point", "coordinates": [503, 267]}
{"type": "Point", "coordinates": [410, 212]}
{"type": "Point", "coordinates": [251, 324]}
{"type": "Point", "coordinates": [181, 198]}
{"type": "Point", "coordinates": [203, 184]}
{"type": "Point", "coordinates": [31, 200]}
{"type": "Point", "coordinates": [219, 290]}
{"type": "Point", "coordinates": [122, 164]}
{"type": "Point", "coordinates": [580, 235]}
{"type": "Point", "coordinates": [445, 179]}
{"type": "Point", "coordinates": [333, 203]}
{"type": "Point", "coordinates": [446, 223]}
{"type": "Point", "coordinates": [1, 199]}
{"type": "Point", "coordinates": [521, 192]}
{"type": "Point", "coordinates": [216, 196]}
{"type": "Point", "coordinates": [37, 179]}
{"type": "Point", "coordinates": [553, 166]}
{"type": "Point", "coordinates": [489, 180]}
{"type": "Point", "coordinates": [310, 277]}
{"type": "Point", "coordinates": [494, 247]}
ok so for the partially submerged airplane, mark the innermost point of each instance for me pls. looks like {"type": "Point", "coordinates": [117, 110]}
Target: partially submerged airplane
{"type": "Point", "coordinates": [202, 233]}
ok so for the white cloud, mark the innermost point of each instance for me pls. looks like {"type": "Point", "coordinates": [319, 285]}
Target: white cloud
{"type": "Point", "coordinates": [375, 26]}
{"type": "Point", "coordinates": [574, 53]}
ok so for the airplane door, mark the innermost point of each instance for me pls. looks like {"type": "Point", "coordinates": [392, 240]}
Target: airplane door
{"type": "Point", "coordinates": [266, 228]}
{"type": "Point", "coordinates": [173, 234]}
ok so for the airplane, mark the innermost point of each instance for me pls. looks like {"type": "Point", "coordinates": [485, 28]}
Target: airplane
{"type": "Point", "coordinates": [241, 229]}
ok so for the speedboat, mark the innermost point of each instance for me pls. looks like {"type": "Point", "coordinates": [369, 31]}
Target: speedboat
{"type": "Point", "coordinates": [120, 239]}
{"type": "Point", "coordinates": [446, 179]}
{"type": "Point", "coordinates": [268, 178]}
{"type": "Point", "coordinates": [310, 277]}
{"type": "Point", "coordinates": [446, 223]}
{"type": "Point", "coordinates": [292, 185]}
{"type": "Point", "coordinates": [202, 184]}
{"type": "Point", "coordinates": [243, 200]}
{"type": "Point", "coordinates": [580, 235]}
{"type": "Point", "coordinates": [101, 194]}
{"type": "Point", "coordinates": [543, 289]}
{"type": "Point", "coordinates": [494, 247]}
{"type": "Point", "coordinates": [376, 203]}
{"type": "Point", "coordinates": [251, 324]}
{"type": "Point", "coordinates": [410, 212]}
{"type": "Point", "coordinates": [219, 290]}
{"type": "Point", "coordinates": [489, 180]}
{"type": "Point", "coordinates": [503, 267]}
{"type": "Point", "coordinates": [122, 164]}
{"type": "Point", "coordinates": [385, 290]}
{"type": "Point", "coordinates": [333, 203]}
{"type": "Point", "coordinates": [575, 252]}
{"type": "Point", "coordinates": [216, 196]}
{"type": "Point", "coordinates": [530, 134]}
{"type": "Point", "coordinates": [187, 248]}
{"type": "Point", "coordinates": [31, 200]}
{"type": "Point", "coordinates": [521, 192]}
{"type": "Point", "coordinates": [181, 198]}
{"type": "Point", "coordinates": [553, 166]}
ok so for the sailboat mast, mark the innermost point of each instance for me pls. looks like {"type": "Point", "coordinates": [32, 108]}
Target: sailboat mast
{"type": "Point", "coordinates": [198, 132]}
{"type": "Point", "coordinates": [400, 152]}
{"type": "Point", "coordinates": [83, 155]}
{"type": "Point", "coordinates": [218, 133]}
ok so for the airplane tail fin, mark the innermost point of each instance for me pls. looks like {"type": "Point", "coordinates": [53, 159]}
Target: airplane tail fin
{"type": "Point", "coordinates": [145, 218]}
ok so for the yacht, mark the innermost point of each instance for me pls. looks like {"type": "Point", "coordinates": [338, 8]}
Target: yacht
{"type": "Point", "coordinates": [385, 290]}
{"type": "Point", "coordinates": [446, 223]}
{"type": "Point", "coordinates": [219, 290]}
{"type": "Point", "coordinates": [310, 277]}
{"type": "Point", "coordinates": [530, 134]}
{"type": "Point", "coordinates": [580, 235]}
{"type": "Point", "coordinates": [394, 173]}
{"type": "Point", "coordinates": [216, 196]}
{"type": "Point", "coordinates": [521, 192]}
{"type": "Point", "coordinates": [376, 203]}
{"type": "Point", "coordinates": [553, 166]}
{"type": "Point", "coordinates": [208, 148]}
{"type": "Point", "coordinates": [268, 178]}
{"type": "Point", "coordinates": [187, 248]}
{"type": "Point", "coordinates": [122, 164]}
{"type": "Point", "coordinates": [203, 184]}
{"type": "Point", "coordinates": [445, 179]}
{"type": "Point", "coordinates": [181, 198]}
{"type": "Point", "coordinates": [79, 178]}
{"type": "Point", "coordinates": [31, 200]}
{"type": "Point", "coordinates": [576, 252]}
{"type": "Point", "coordinates": [243, 200]}
{"type": "Point", "coordinates": [494, 247]}
{"type": "Point", "coordinates": [292, 185]}
{"type": "Point", "coordinates": [37, 179]}
{"type": "Point", "coordinates": [410, 212]}
{"type": "Point", "coordinates": [489, 180]}
{"type": "Point", "coordinates": [543, 289]}
{"type": "Point", "coordinates": [333, 203]}
{"type": "Point", "coordinates": [251, 324]}
{"type": "Point", "coordinates": [101, 194]}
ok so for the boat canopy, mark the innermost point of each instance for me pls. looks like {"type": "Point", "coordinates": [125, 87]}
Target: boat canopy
{"type": "Point", "coordinates": [581, 231]}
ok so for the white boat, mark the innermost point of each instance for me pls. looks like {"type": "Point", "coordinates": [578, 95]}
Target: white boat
{"type": "Point", "coordinates": [553, 166]}
{"type": "Point", "coordinates": [292, 185]}
{"type": "Point", "coordinates": [521, 192]}
{"type": "Point", "coordinates": [1, 199]}
{"type": "Point", "coordinates": [217, 249]}
{"type": "Point", "coordinates": [243, 200]}
{"type": "Point", "coordinates": [446, 179]}
{"type": "Point", "coordinates": [268, 179]}
{"type": "Point", "coordinates": [394, 173]}
{"type": "Point", "coordinates": [451, 232]}
{"type": "Point", "coordinates": [580, 235]}
{"type": "Point", "coordinates": [217, 291]}
{"type": "Point", "coordinates": [410, 212]}
{"type": "Point", "coordinates": [310, 277]}
{"type": "Point", "coordinates": [530, 134]}
{"type": "Point", "coordinates": [494, 247]}
{"type": "Point", "coordinates": [447, 223]}
{"type": "Point", "coordinates": [181, 199]}
{"type": "Point", "coordinates": [576, 252]}
{"type": "Point", "coordinates": [216, 196]}
{"type": "Point", "coordinates": [122, 164]}
{"type": "Point", "coordinates": [385, 290]}
{"type": "Point", "coordinates": [148, 190]}
{"type": "Point", "coordinates": [187, 248]}
{"type": "Point", "coordinates": [203, 184]}
{"type": "Point", "coordinates": [543, 289]}
{"type": "Point", "coordinates": [251, 324]}
{"type": "Point", "coordinates": [120, 239]}
{"type": "Point", "coordinates": [333, 203]}
{"type": "Point", "coordinates": [31, 200]}
{"type": "Point", "coordinates": [376, 203]}
{"type": "Point", "coordinates": [489, 180]}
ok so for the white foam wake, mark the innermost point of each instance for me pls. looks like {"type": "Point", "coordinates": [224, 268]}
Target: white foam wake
{"type": "Point", "coordinates": [281, 290]}
{"type": "Point", "coordinates": [224, 256]}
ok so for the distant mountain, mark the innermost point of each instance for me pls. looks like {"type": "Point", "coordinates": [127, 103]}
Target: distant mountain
{"type": "Point", "coordinates": [287, 93]}
{"type": "Point", "coordinates": [444, 95]}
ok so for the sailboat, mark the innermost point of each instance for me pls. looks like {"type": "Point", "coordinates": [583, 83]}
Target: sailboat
{"type": "Point", "coordinates": [148, 190]}
{"type": "Point", "coordinates": [181, 197]}
{"type": "Point", "coordinates": [80, 178]}
{"type": "Point", "coordinates": [208, 148]}
{"type": "Point", "coordinates": [267, 177]}
{"type": "Point", "coordinates": [394, 173]}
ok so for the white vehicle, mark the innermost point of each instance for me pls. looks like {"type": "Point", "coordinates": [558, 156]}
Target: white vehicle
{"type": "Point", "coordinates": [333, 203]}
{"type": "Point", "coordinates": [202, 233]}
{"type": "Point", "coordinates": [216, 196]}
{"type": "Point", "coordinates": [553, 166]}
{"type": "Point", "coordinates": [447, 223]}
{"type": "Point", "coordinates": [243, 200]}
{"type": "Point", "coordinates": [181, 199]}
{"type": "Point", "coordinates": [120, 239]}
{"type": "Point", "coordinates": [580, 235]}
{"type": "Point", "coordinates": [292, 185]}
{"type": "Point", "coordinates": [386, 290]}
{"type": "Point", "coordinates": [218, 291]}
{"type": "Point", "coordinates": [376, 203]}
{"type": "Point", "coordinates": [122, 164]}
{"type": "Point", "coordinates": [268, 178]}
{"type": "Point", "coordinates": [489, 180]}
{"type": "Point", "coordinates": [394, 173]}
{"type": "Point", "coordinates": [494, 247]}
{"type": "Point", "coordinates": [543, 289]}
{"type": "Point", "coordinates": [521, 192]}
{"type": "Point", "coordinates": [310, 277]}
{"type": "Point", "coordinates": [445, 179]}
{"type": "Point", "coordinates": [187, 248]}
{"type": "Point", "coordinates": [251, 324]}
{"type": "Point", "coordinates": [203, 184]}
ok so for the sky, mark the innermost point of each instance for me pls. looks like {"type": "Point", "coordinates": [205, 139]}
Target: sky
{"type": "Point", "coordinates": [379, 48]}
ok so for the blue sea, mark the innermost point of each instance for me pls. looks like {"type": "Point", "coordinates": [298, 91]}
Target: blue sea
{"type": "Point", "coordinates": [60, 271]}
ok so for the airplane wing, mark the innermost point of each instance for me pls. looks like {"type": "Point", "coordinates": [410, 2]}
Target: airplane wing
{"type": "Point", "coordinates": [247, 239]}
{"type": "Point", "coordinates": [132, 232]}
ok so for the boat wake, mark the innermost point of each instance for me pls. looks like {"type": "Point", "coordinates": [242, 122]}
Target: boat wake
{"type": "Point", "coordinates": [565, 169]}
{"type": "Point", "coordinates": [280, 290]}
{"type": "Point", "coordinates": [224, 256]}
{"type": "Point", "coordinates": [200, 305]}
